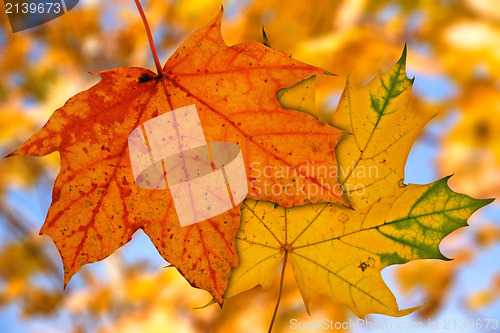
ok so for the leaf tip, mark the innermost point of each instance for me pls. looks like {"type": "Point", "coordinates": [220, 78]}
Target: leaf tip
{"type": "Point", "coordinates": [67, 277]}
{"type": "Point", "coordinates": [347, 79]}
{"type": "Point", "coordinates": [345, 199]}
{"type": "Point", "coordinates": [402, 59]}
{"type": "Point", "coordinates": [329, 73]}
{"type": "Point", "coordinates": [306, 304]}
{"type": "Point", "coordinates": [14, 153]}
{"type": "Point", "coordinates": [265, 38]}
{"type": "Point", "coordinates": [479, 203]}
{"type": "Point", "coordinates": [487, 201]}
{"type": "Point", "coordinates": [446, 178]}
{"type": "Point", "coordinates": [217, 21]}
{"type": "Point", "coordinates": [211, 302]}
{"type": "Point", "coordinates": [483, 202]}
{"type": "Point", "coordinates": [405, 312]}
{"type": "Point", "coordinates": [100, 74]}
{"type": "Point", "coordinates": [444, 258]}
{"type": "Point", "coordinates": [66, 281]}
{"type": "Point", "coordinates": [220, 302]}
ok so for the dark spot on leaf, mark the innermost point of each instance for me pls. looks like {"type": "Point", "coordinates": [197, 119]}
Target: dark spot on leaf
{"type": "Point", "coordinates": [146, 77]}
{"type": "Point", "coordinates": [343, 218]}
{"type": "Point", "coordinates": [363, 266]}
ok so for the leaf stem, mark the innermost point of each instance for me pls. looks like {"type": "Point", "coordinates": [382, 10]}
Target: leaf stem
{"type": "Point", "coordinates": [150, 38]}
{"type": "Point", "coordinates": [281, 290]}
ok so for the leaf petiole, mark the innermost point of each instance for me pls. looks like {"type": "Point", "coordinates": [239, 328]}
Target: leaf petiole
{"type": "Point", "coordinates": [150, 38]}
{"type": "Point", "coordinates": [281, 290]}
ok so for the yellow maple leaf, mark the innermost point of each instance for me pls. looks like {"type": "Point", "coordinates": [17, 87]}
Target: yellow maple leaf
{"type": "Point", "coordinates": [340, 252]}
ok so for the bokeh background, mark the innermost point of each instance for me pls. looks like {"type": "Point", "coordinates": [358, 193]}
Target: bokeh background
{"type": "Point", "coordinates": [454, 52]}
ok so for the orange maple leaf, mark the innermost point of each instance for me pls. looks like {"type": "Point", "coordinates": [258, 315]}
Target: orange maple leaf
{"type": "Point", "coordinates": [97, 206]}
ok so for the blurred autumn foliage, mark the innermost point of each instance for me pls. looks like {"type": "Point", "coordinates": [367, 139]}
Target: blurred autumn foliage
{"type": "Point", "coordinates": [455, 41]}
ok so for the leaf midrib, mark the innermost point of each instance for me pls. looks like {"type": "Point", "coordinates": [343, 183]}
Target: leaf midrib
{"type": "Point", "coordinates": [388, 97]}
